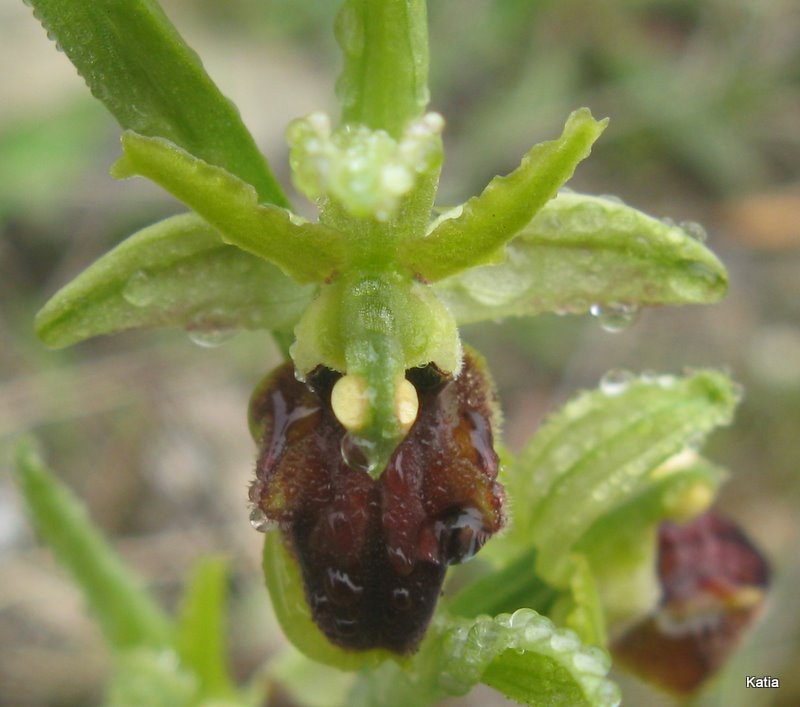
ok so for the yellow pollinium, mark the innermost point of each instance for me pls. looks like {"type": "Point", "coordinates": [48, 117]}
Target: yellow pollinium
{"type": "Point", "coordinates": [352, 398]}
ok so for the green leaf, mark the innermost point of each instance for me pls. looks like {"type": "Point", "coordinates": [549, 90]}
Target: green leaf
{"type": "Point", "coordinates": [384, 81]}
{"type": "Point", "coordinates": [174, 273]}
{"type": "Point", "coordinates": [201, 629]}
{"type": "Point", "coordinates": [126, 613]}
{"type": "Point", "coordinates": [580, 251]}
{"type": "Point", "coordinates": [137, 64]}
{"type": "Point", "coordinates": [523, 655]}
{"type": "Point", "coordinates": [476, 232]}
{"type": "Point", "coordinates": [285, 586]}
{"type": "Point", "coordinates": [306, 251]}
{"type": "Point", "coordinates": [600, 451]}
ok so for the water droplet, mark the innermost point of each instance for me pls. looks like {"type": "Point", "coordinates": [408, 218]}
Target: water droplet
{"type": "Point", "coordinates": [259, 520]}
{"type": "Point", "coordinates": [591, 662]}
{"type": "Point", "coordinates": [342, 590]}
{"type": "Point", "coordinates": [522, 617]}
{"type": "Point", "coordinates": [211, 338]}
{"type": "Point", "coordinates": [615, 316]}
{"type": "Point", "coordinates": [461, 535]}
{"type": "Point", "coordinates": [537, 631]}
{"type": "Point", "coordinates": [565, 641]}
{"type": "Point", "coordinates": [694, 230]}
{"type": "Point", "coordinates": [615, 382]}
{"type": "Point", "coordinates": [358, 453]}
{"type": "Point", "coordinates": [138, 290]}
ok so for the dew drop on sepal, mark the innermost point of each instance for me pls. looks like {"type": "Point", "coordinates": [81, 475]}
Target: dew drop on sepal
{"type": "Point", "coordinates": [138, 289]}
{"type": "Point", "coordinates": [616, 316]}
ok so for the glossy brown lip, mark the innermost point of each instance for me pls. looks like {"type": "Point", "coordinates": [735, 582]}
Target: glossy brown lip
{"type": "Point", "coordinates": [373, 552]}
{"type": "Point", "coordinates": [714, 583]}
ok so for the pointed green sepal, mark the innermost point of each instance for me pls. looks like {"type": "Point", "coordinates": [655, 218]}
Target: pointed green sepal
{"type": "Point", "coordinates": [306, 251]}
{"type": "Point", "coordinates": [177, 272]}
{"type": "Point", "coordinates": [475, 233]}
{"type": "Point", "coordinates": [136, 63]}
{"type": "Point", "coordinates": [384, 81]}
{"type": "Point", "coordinates": [581, 252]}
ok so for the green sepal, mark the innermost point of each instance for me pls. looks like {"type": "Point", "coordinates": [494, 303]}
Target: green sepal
{"type": "Point", "coordinates": [599, 451]}
{"type": "Point", "coordinates": [136, 63]}
{"type": "Point", "coordinates": [285, 586]}
{"type": "Point", "coordinates": [308, 252]}
{"type": "Point", "coordinates": [583, 251]}
{"type": "Point", "coordinates": [201, 629]}
{"type": "Point", "coordinates": [475, 233]}
{"type": "Point", "coordinates": [177, 272]}
{"type": "Point", "coordinates": [384, 80]}
{"type": "Point", "coordinates": [125, 612]}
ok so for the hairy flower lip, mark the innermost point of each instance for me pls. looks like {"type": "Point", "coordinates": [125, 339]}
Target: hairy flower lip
{"type": "Point", "coordinates": [373, 551]}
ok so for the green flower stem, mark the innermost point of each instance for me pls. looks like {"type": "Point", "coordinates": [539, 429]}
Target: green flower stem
{"type": "Point", "coordinates": [384, 81]}
{"type": "Point", "coordinates": [136, 63]}
{"type": "Point", "coordinates": [476, 233]}
{"type": "Point", "coordinates": [305, 251]}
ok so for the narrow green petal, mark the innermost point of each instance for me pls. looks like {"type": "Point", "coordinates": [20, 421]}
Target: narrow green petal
{"type": "Point", "coordinates": [174, 273]}
{"type": "Point", "coordinates": [136, 63]}
{"type": "Point", "coordinates": [478, 230]}
{"type": "Point", "coordinates": [600, 451]}
{"type": "Point", "coordinates": [384, 81]}
{"type": "Point", "coordinates": [127, 615]}
{"type": "Point", "coordinates": [306, 251]}
{"type": "Point", "coordinates": [584, 251]}
{"type": "Point", "coordinates": [201, 628]}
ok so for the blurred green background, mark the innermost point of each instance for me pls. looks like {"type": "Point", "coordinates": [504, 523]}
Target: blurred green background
{"type": "Point", "coordinates": [704, 100]}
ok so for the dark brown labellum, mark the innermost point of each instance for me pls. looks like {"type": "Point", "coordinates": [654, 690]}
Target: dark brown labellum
{"type": "Point", "coordinates": [373, 552]}
{"type": "Point", "coordinates": [713, 582]}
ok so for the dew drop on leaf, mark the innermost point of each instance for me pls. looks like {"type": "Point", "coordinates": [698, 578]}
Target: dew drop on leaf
{"type": "Point", "coordinates": [138, 290]}
{"type": "Point", "coordinates": [615, 382]}
{"type": "Point", "coordinates": [694, 230]}
{"type": "Point", "coordinates": [616, 316]}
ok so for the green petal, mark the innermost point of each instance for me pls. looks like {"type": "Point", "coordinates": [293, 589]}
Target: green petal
{"type": "Point", "coordinates": [476, 232]}
{"type": "Point", "coordinates": [601, 450]}
{"type": "Point", "coordinates": [285, 587]}
{"type": "Point", "coordinates": [174, 273]}
{"type": "Point", "coordinates": [127, 615]}
{"type": "Point", "coordinates": [384, 81]}
{"type": "Point", "coordinates": [137, 64]}
{"type": "Point", "coordinates": [306, 251]}
{"type": "Point", "coordinates": [584, 251]}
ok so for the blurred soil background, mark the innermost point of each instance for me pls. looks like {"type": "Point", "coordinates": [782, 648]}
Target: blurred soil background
{"type": "Point", "coordinates": [150, 430]}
